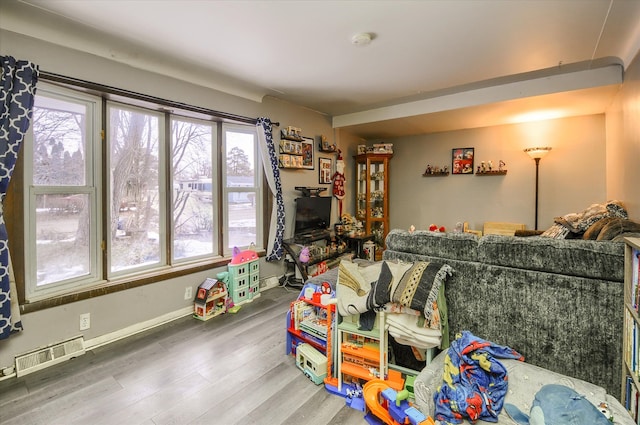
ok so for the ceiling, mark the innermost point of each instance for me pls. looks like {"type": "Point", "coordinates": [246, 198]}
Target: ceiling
{"type": "Point", "coordinates": [432, 65]}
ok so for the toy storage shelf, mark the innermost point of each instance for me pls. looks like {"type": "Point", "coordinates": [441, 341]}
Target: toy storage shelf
{"type": "Point", "coordinates": [362, 354]}
{"type": "Point", "coordinates": [314, 332]}
{"type": "Point", "coordinates": [631, 343]}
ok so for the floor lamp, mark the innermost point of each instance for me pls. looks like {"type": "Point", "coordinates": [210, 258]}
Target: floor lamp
{"type": "Point", "coordinates": [537, 154]}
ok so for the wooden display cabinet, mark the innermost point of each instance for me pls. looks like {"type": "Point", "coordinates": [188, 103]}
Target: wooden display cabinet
{"type": "Point", "coordinates": [372, 195]}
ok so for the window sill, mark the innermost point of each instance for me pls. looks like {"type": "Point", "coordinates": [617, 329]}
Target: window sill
{"type": "Point", "coordinates": [122, 284]}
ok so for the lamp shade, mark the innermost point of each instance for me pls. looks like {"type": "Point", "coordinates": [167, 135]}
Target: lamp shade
{"type": "Point", "coordinates": [537, 153]}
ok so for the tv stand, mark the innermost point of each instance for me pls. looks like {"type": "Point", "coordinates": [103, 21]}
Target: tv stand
{"type": "Point", "coordinates": [322, 249]}
{"type": "Point", "coordinates": [312, 236]}
{"type": "Point", "coordinates": [310, 191]}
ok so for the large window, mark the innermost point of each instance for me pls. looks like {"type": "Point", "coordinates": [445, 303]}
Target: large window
{"type": "Point", "coordinates": [135, 179]}
{"type": "Point", "coordinates": [61, 234]}
{"type": "Point", "coordinates": [156, 174]}
{"type": "Point", "coordinates": [193, 195]}
{"type": "Point", "coordinates": [241, 187]}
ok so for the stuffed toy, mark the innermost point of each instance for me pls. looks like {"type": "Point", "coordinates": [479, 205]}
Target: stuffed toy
{"type": "Point", "coordinates": [435, 228]}
{"type": "Point", "coordinates": [304, 255]}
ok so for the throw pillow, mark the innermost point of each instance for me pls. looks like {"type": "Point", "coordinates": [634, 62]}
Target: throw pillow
{"type": "Point", "coordinates": [617, 227]}
{"type": "Point", "coordinates": [594, 230]}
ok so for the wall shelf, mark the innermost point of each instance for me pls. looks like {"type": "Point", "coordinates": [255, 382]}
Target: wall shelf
{"type": "Point", "coordinates": [438, 174]}
{"type": "Point", "coordinates": [492, 173]}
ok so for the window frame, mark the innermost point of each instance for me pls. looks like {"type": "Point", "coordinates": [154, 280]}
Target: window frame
{"type": "Point", "coordinates": [92, 180]}
{"type": "Point", "coordinates": [258, 187]}
{"type": "Point", "coordinates": [163, 260]}
{"type": "Point", "coordinates": [215, 160]}
{"type": "Point", "coordinates": [18, 200]}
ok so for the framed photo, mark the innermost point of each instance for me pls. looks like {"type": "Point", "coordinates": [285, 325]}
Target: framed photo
{"type": "Point", "coordinates": [306, 146]}
{"type": "Point", "coordinates": [462, 161]}
{"type": "Point", "coordinates": [324, 170]}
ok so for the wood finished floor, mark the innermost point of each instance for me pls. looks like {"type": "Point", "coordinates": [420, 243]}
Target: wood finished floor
{"type": "Point", "coordinates": [230, 369]}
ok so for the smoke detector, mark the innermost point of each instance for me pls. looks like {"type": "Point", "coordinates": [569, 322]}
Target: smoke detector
{"type": "Point", "coordinates": [361, 39]}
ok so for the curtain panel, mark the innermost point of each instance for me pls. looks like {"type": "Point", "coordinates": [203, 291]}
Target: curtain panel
{"type": "Point", "coordinates": [272, 173]}
{"type": "Point", "coordinates": [18, 85]}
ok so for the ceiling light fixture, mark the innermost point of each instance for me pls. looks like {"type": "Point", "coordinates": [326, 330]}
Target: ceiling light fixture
{"type": "Point", "coordinates": [361, 39]}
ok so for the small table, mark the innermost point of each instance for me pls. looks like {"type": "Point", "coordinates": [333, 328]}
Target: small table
{"type": "Point", "coordinates": [356, 243]}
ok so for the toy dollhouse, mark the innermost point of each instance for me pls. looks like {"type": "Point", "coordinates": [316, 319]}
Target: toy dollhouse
{"type": "Point", "coordinates": [244, 276]}
{"type": "Point", "coordinates": [210, 300]}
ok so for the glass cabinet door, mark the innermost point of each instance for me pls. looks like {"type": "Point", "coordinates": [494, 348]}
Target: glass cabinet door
{"type": "Point", "coordinates": [377, 195]}
{"type": "Point", "coordinates": [372, 198]}
{"type": "Point", "coordinates": [361, 195]}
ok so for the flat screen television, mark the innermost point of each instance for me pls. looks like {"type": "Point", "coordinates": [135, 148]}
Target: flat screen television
{"type": "Point", "coordinates": [312, 213]}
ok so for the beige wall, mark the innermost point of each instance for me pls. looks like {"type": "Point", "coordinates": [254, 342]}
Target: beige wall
{"type": "Point", "coordinates": [113, 313]}
{"type": "Point", "coordinates": [623, 143]}
{"type": "Point", "coordinates": [571, 176]}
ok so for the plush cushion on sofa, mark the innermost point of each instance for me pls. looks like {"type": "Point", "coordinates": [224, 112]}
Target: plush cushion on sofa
{"type": "Point", "coordinates": [456, 246]}
{"type": "Point", "coordinates": [594, 230]}
{"type": "Point", "coordinates": [617, 227]}
{"type": "Point", "coordinates": [575, 257]}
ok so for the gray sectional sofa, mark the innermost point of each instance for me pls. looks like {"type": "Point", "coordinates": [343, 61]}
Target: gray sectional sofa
{"type": "Point", "coordinates": [557, 302]}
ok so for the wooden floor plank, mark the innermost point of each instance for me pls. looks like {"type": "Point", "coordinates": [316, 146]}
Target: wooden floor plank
{"type": "Point", "coordinates": [230, 369]}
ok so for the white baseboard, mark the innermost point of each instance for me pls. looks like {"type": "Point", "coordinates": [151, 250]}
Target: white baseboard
{"type": "Point", "coordinates": [9, 372]}
{"type": "Point", "coordinates": [137, 328]}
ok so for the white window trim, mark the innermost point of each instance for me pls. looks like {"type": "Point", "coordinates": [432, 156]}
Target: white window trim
{"type": "Point", "coordinates": [214, 192]}
{"type": "Point", "coordinates": [162, 194]}
{"type": "Point", "coordinates": [92, 180]}
{"type": "Point", "coordinates": [258, 188]}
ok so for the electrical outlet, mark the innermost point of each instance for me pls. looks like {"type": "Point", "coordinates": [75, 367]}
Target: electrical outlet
{"type": "Point", "coordinates": [188, 293]}
{"type": "Point", "coordinates": [85, 321]}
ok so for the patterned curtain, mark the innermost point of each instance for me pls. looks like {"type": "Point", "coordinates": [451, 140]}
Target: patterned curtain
{"type": "Point", "coordinates": [272, 172]}
{"type": "Point", "coordinates": [18, 81]}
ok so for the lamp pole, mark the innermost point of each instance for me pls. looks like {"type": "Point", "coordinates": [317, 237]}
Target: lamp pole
{"type": "Point", "coordinates": [537, 165]}
{"type": "Point", "coordinates": [536, 154]}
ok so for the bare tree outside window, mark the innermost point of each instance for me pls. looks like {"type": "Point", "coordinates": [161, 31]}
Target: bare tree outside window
{"type": "Point", "coordinates": [241, 187]}
{"type": "Point", "coordinates": [135, 204]}
{"type": "Point", "coordinates": [193, 206]}
{"type": "Point", "coordinates": [62, 203]}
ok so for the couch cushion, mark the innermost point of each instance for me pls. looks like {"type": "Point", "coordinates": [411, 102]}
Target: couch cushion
{"type": "Point", "coordinates": [573, 257]}
{"type": "Point", "coordinates": [456, 246]}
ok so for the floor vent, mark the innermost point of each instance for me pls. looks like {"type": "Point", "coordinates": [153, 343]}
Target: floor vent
{"type": "Point", "coordinates": [48, 356]}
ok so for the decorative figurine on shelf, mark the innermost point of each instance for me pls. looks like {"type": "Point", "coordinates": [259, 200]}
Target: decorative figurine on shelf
{"type": "Point", "coordinates": [428, 170]}
{"type": "Point", "coordinates": [501, 165]}
{"type": "Point", "coordinates": [490, 165]}
{"type": "Point", "coordinates": [304, 255]}
{"type": "Point", "coordinates": [483, 167]}
{"type": "Point", "coordinates": [325, 146]}
{"type": "Point", "coordinates": [412, 228]}
{"type": "Point", "coordinates": [338, 181]}
{"type": "Point", "coordinates": [436, 229]}
{"type": "Point", "coordinates": [459, 227]}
